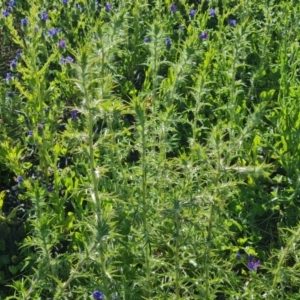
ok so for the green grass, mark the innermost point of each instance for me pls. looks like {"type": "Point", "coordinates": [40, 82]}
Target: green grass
{"type": "Point", "coordinates": [140, 169]}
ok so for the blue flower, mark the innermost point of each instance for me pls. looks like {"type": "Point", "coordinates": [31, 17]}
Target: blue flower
{"type": "Point", "coordinates": [5, 13]}
{"type": "Point", "coordinates": [232, 22]}
{"type": "Point", "coordinates": [52, 31]}
{"type": "Point", "coordinates": [10, 94]}
{"type": "Point", "coordinates": [168, 43]}
{"type": "Point", "coordinates": [24, 22]}
{"type": "Point", "coordinates": [69, 59]}
{"type": "Point", "coordinates": [192, 12]}
{"type": "Point", "coordinates": [8, 77]}
{"type": "Point", "coordinates": [212, 12]}
{"type": "Point", "coordinates": [146, 40]}
{"type": "Point", "coordinates": [173, 8]}
{"type": "Point", "coordinates": [107, 7]}
{"type": "Point", "coordinates": [98, 295]}
{"type": "Point", "coordinates": [20, 179]}
{"type": "Point", "coordinates": [30, 133]}
{"type": "Point", "coordinates": [74, 115]}
{"type": "Point", "coordinates": [50, 189]}
{"type": "Point", "coordinates": [11, 4]}
{"type": "Point", "coordinates": [203, 35]}
{"type": "Point", "coordinates": [13, 63]}
{"type": "Point", "coordinates": [253, 265]}
{"type": "Point", "coordinates": [43, 16]}
{"type": "Point", "coordinates": [62, 44]}
{"type": "Point", "coordinates": [65, 1]}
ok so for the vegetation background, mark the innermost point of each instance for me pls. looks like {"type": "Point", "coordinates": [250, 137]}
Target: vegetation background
{"type": "Point", "coordinates": [149, 149]}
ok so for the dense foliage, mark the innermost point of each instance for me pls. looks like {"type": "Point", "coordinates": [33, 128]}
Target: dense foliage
{"type": "Point", "coordinates": [149, 149]}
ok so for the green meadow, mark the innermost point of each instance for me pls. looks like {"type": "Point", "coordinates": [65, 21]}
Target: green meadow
{"type": "Point", "coordinates": [149, 150]}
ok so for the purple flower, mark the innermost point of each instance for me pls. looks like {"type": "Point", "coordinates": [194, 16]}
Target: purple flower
{"type": "Point", "coordinates": [43, 16]}
{"type": "Point", "coordinates": [13, 63]}
{"type": "Point", "coordinates": [50, 189]}
{"type": "Point", "coordinates": [65, 1]}
{"type": "Point", "coordinates": [62, 44]}
{"type": "Point", "coordinates": [8, 77]}
{"type": "Point", "coordinates": [62, 60]}
{"type": "Point", "coordinates": [24, 22]}
{"type": "Point", "coordinates": [20, 179]}
{"type": "Point", "coordinates": [5, 13]}
{"type": "Point", "coordinates": [168, 43]}
{"type": "Point", "coordinates": [232, 22]}
{"type": "Point", "coordinates": [11, 4]}
{"type": "Point", "coordinates": [98, 295]}
{"type": "Point", "coordinates": [173, 8]}
{"type": "Point", "coordinates": [74, 115]}
{"type": "Point", "coordinates": [18, 54]}
{"type": "Point", "coordinates": [146, 40]}
{"type": "Point", "coordinates": [212, 12]}
{"type": "Point", "coordinates": [10, 94]}
{"type": "Point", "coordinates": [192, 12]}
{"type": "Point", "coordinates": [203, 35]}
{"type": "Point", "coordinates": [30, 133]}
{"type": "Point", "coordinates": [36, 29]}
{"type": "Point", "coordinates": [69, 59]}
{"type": "Point", "coordinates": [253, 265]}
{"type": "Point", "coordinates": [52, 31]}
{"type": "Point", "coordinates": [107, 7]}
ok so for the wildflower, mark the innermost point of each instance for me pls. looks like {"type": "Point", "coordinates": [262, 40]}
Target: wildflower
{"type": "Point", "coordinates": [107, 7]}
{"type": "Point", "coordinates": [232, 22]}
{"type": "Point", "coordinates": [173, 8]}
{"type": "Point", "coordinates": [62, 44]}
{"type": "Point", "coordinates": [30, 133]}
{"type": "Point", "coordinates": [20, 179]}
{"type": "Point", "coordinates": [62, 60]}
{"type": "Point", "coordinates": [11, 4]}
{"type": "Point", "coordinates": [168, 43]}
{"type": "Point", "coordinates": [10, 94]}
{"type": "Point", "coordinates": [203, 35]}
{"type": "Point", "coordinates": [43, 16]}
{"type": "Point", "coordinates": [50, 189]}
{"type": "Point", "coordinates": [24, 22]}
{"type": "Point", "coordinates": [5, 13]}
{"type": "Point", "coordinates": [69, 59]}
{"type": "Point", "coordinates": [146, 40]}
{"type": "Point", "coordinates": [253, 265]}
{"type": "Point", "coordinates": [13, 63]}
{"type": "Point", "coordinates": [250, 257]}
{"type": "Point", "coordinates": [192, 12]}
{"type": "Point", "coordinates": [36, 29]}
{"type": "Point", "coordinates": [98, 295]}
{"type": "Point", "coordinates": [18, 54]}
{"type": "Point", "coordinates": [74, 115]}
{"type": "Point", "coordinates": [8, 77]}
{"type": "Point", "coordinates": [65, 1]}
{"type": "Point", "coordinates": [212, 12]}
{"type": "Point", "coordinates": [52, 31]}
